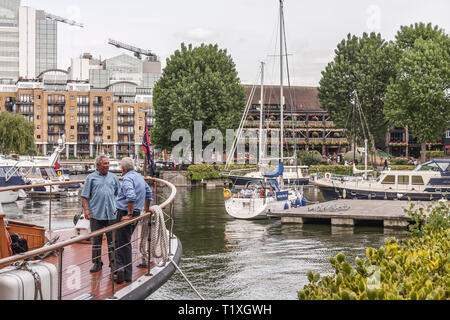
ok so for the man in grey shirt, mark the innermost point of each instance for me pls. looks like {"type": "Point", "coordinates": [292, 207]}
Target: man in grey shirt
{"type": "Point", "coordinates": [98, 197]}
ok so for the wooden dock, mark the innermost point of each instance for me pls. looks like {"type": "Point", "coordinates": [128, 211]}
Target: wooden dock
{"type": "Point", "coordinates": [385, 213]}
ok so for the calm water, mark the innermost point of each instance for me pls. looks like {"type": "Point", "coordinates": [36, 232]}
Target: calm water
{"type": "Point", "coordinates": [233, 259]}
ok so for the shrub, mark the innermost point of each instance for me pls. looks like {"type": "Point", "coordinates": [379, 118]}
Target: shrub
{"type": "Point", "coordinates": [207, 172]}
{"type": "Point", "coordinates": [311, 158]}
{"type": "Point", "coordinates": [416, 268]}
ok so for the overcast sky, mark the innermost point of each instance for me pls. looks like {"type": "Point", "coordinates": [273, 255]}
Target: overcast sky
{"type": "Point", "coordinates": [246, 28]}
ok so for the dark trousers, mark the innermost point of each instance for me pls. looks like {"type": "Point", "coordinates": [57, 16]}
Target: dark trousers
{"type": "Point", "coordinates": [123, 248]}
{"type": "Point", "coordinates": [97, 241]}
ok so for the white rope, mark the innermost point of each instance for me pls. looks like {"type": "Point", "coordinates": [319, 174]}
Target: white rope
{"type": "Point", "coordinates": [159, 245]}
{"type": "Point", "coordinates": [185, 278]}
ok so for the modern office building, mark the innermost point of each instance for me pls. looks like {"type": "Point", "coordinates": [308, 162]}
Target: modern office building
{"type": "Point", "coordinates": [9, 39]}
{"type": "Point", "coordinates": [28, 41]}
{"type": "Point", "coordinates": [144, 73]}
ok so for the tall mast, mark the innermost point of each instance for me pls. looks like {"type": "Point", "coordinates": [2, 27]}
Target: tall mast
{"type": "Point", "coordinates": [261, 124]}
{"type": "Point", "coordinates": [281, 81]}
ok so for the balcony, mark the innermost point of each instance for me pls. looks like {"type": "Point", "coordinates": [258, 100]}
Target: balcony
{"type": "Point", "coordinates": [126, 123]}
{"type": "Point", "coordinates": [56, 122]}
{"type": "Point", "coordinates": [51, 112]}
{"type": "Point", "coordinates": [56, 102]}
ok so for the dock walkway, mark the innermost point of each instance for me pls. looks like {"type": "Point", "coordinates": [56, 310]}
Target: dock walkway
{"type": "Point", "coordinates": [388, 213]}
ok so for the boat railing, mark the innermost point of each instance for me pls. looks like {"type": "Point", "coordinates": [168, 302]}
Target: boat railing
{"type": "Point", "coordinates": [164, 196]}
{"type": "Point", "coordinates": [237, 172]}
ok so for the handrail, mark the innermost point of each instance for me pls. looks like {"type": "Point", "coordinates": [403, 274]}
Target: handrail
{"type": "Point", "coordinates": [58, 246]}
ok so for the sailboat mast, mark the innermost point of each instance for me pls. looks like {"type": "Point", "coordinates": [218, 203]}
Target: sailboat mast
{"type": "Point", "coordinates": [281, 82]}
{"type": "Point", "coordinates": [261, 118]}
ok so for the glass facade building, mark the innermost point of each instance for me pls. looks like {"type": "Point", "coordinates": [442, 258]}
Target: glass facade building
{"type": "Point", "coordinates": [9, 38]}
{"type": "Point", "coordinates": [46, 43]}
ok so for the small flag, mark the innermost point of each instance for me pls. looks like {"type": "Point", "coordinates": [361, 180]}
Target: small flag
{"type": "Point", "coordinates": [148, 152]}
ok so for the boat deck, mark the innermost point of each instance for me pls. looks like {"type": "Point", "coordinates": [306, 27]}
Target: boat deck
{"type": "Point", "coordinates": [77, 281]}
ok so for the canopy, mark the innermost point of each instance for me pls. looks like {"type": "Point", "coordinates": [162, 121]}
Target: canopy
{"type": "Point", "coordinates": [275, 174]}
{"type": "Point", "coordinates": [384, 154]}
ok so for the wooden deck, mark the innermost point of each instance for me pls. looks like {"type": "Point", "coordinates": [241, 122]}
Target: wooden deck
{"type": "Point", "coordinates": [389, 213]}
{"type": "Point", "coordinates": [78, 282]}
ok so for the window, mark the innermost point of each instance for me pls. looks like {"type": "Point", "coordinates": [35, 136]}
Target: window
{"type": "Point", "coordinates": [389, 180]}
{"type": "Point", "coordinates": [417, 181]}
{"type": "Point", "coordinates": [38, 137]}
{"type": "Point", "coordinates": [403, 180]}
{"type": "Point", "coordinates": [108, 128]}
{"type": "Point", "coordinates": [108, 137]}
{"type": "Point", "coordinates": [38, 117]}
{"type": "Point", "coordinates": [447, 135]}
{"type": "Point", "coordinates": [38, 127]}
{"type": "Point", "coordinates": [72, 127]}
{"type": "Point", "coordinates": [72, 137]}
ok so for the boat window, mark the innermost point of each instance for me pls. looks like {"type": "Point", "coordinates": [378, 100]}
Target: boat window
{"type": "Point", "coordinates": [403, 179]}
{"type": "Point", "coordinates": [417, 181]}
{"type": "Point", "coordinates": [389, 180]}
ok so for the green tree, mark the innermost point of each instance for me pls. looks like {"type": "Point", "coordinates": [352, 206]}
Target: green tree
{"type": "Point", "coordinates": [16, 134]}
{"type": "Point", "coordinates": [418, 95]}
{"type": "Point", "coordinates": [198, 84]}
{"type": "Point", "coordinates": [361, 65]}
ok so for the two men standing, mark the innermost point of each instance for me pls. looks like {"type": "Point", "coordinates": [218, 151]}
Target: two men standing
{"type": "Point", "coordinates": [101, 196]}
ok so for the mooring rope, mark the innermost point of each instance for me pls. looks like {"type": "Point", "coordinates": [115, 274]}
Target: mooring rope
{"type": "Point", "coordinates": [159, 246]}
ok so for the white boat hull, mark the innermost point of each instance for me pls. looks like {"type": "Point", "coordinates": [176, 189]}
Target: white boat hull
{"type": "Point", "coordinates": [9, 196]}
{"type": "Point", "coordinates": [257, 208]}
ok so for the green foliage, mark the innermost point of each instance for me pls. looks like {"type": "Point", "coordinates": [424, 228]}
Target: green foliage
{"type": "Point", "coordinates": [349, 156]}
{"type": "Point", "coordinates": [417, 95]}
{"type": "Point", "coordinates": [198, 84]}
{"type": "Point", "coordinates": [310, 158]}
{"type": "Point", "coordinates": [416, 268]}
{"type": "Point", "coordinates": [400, 162]}
{"type": "Point", "coordinates": [16, 134]}
{"type": "Point", "coordinates": [361, 64]}
{"type": "Point", "coordinates": [207, 172]}
{"type": "Point", "coordinates": [435, 154]}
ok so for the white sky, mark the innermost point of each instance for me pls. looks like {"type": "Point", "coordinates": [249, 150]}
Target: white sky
{"type": "Point", "coordinates": [246, 28]}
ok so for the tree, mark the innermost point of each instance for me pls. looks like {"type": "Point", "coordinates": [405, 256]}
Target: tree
{"type": "Point", "coordinates": [418, 95]}
{"type": "Point", "coordinates": [198, 84]}
{"type": "Point", "coordinates": [361, 65]}
{"type": "Point", "coordinates": [16, 134]}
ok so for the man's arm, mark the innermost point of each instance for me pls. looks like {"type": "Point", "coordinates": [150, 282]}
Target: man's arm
{"type": "Point", "coordinates": [87, 213]}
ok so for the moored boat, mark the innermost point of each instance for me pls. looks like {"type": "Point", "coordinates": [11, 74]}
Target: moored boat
{"type": "Point", "coordinates": [427, 182]}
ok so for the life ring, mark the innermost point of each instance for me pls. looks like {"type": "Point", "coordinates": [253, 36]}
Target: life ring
{"type": "Point", "coordinates": [59, 173]}
{"type": "Point", "coordinates": [327, 175]}
{"type": "Point", "coordinates": [227, 194]}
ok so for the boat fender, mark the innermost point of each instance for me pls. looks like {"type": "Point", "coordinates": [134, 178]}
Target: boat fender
{"type": "Point", "coordinates": [298, 203]}
{"type": "Point", "coordinates": [286, 206]}
{"type": "Point", "coordinates": [304, 202]}
{"type": "Point", "coordinates": [227, 194]}
{"type": "Point", "coordinates": [328, 175]}
{"type": "Point", "coordinates": [344, 194]}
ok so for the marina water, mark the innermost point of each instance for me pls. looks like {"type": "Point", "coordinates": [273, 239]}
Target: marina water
{"type": "Point", "coordinates": [233, 259]}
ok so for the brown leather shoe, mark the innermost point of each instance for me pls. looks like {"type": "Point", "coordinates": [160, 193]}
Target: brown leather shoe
{"type": "Point", "coordinates": [119, 277]}
{"type": "Point", "coordinates": [96, 267]}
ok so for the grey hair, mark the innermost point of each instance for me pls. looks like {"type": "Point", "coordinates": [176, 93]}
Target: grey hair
{"type": "Point", "coordinates": [127, 164]}
{"type": "Point", "coordinates": [99, 159]}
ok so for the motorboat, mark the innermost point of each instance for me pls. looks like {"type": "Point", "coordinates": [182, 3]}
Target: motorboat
{"type": "Point", "coordinates": [427, 182]}
{"type": "Point", "coordinates": [41, 170]}
{"type": "Point", "coordinates": [10, 178]}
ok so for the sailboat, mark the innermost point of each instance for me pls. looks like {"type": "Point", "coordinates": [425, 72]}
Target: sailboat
{"type": "Point", "coordinates": [266, 192]}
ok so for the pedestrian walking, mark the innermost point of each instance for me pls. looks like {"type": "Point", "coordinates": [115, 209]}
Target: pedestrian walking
{"type": "Point", "coordinates": [98, 199]}
{"type": "Point", "coordinates": [134, 195]}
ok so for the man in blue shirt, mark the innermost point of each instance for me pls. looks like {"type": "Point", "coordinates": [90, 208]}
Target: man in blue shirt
{"type": "Point", "coordinates": [98, 197]}
{"type": "Point", "coordinates": [134, 195]}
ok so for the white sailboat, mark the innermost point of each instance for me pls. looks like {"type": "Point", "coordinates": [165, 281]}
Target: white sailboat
{"type": "Point", "coordinates": [267, 194]}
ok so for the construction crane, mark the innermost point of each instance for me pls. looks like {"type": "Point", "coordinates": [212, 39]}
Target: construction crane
{"type": "Point", "coordinates": [138, 52]}
{"type": "Point", "coordinates": [50, 16]}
